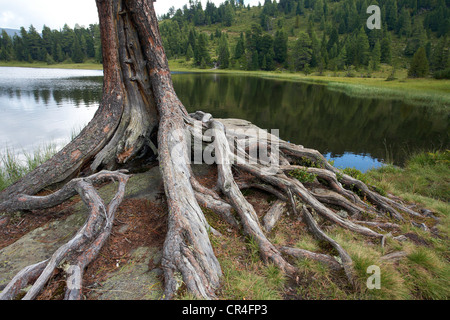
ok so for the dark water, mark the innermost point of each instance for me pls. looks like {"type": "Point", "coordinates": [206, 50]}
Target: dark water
{"type": "Point", "coordinates": [39, 106]}
{"type": "Point", "coordinates": [355, 132]}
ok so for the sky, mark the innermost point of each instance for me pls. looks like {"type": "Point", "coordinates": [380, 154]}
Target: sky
{"type": "Point", "coordinates": [55, 13]}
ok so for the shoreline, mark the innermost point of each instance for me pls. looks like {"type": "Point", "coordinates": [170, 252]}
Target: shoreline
{"type": "Point", "coordinates": [420, 92]}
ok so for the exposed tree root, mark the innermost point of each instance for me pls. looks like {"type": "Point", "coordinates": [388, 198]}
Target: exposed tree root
{"type": "Point", "coordinates": [188, 257]}
{"type": "Point", "coordinates": [305, 254]}
{"type": "Point", "coordinates": [82, 248]}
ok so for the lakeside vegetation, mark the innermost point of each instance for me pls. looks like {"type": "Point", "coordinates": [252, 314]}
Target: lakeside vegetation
{"type": "Point", "coordinates": [87, 65]}
{"type": "Point", "coordinates": [13, 167]}
{"type": "Point", "coordinates": [423, 272]}
{"type": "Point", "coordinates": [422, 91]}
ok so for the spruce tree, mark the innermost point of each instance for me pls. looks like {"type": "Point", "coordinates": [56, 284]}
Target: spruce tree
{"type": "Point", "coordinates": [376, 57]}
{"type": "Point", "coordinates": [6, 47]}
{"type": "Point", "coordinates": [419, 65]}
{"type": "Point", "coordinates": [280, 47]}
{"type": "Point", "coordinates": [386, 54]}
{"type": "Point", "coordinates": [362, 48]}
{"type": "Point", "coordinates": [77, 54]}
{"type": "Point", "coordinates": [189, 53]}
{"type": "Point", "coordinates": [440, 56]}
{"type": "Point", "coordinates": [240, 47]}
{"type": "Point", "coordinates": [302, 53]}
{"type": "Point", "coordinates": [224, 53]}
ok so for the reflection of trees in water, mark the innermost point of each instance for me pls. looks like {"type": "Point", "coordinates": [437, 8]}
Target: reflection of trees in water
{"type": "Point", "coordinates": [306, 114]}
{"type": "Point", "coordinates": [79, 92]}
{"type": "Point", "coordinates": [319, 118]}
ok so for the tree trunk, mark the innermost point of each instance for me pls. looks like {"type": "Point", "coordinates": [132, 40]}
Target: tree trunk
{"type": "Point", "coordinates": [140, 117]}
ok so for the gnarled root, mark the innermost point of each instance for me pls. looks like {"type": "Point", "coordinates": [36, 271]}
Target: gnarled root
{"type": "Point", "coordinates": [266, 163]}
{"type": "Point", "coordinates": [88, 240]}
{"type": "Point", "coordinates": [234, 143]}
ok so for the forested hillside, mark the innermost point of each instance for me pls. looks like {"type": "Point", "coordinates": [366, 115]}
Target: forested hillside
{"type": "Point", "coordinates": [52, 46]}
{"type": "Point", "coordinates": [306, 35]}
{"type": "Point", "coordinates": [295, 35]}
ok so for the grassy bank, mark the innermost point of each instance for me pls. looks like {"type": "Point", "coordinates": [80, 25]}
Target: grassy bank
{"type": "Point", "coordinates": [90, 65]}
{"type": "Point", "coordinates": [13, 167]}
{"type": "Point", "coordinates": [423, 271]}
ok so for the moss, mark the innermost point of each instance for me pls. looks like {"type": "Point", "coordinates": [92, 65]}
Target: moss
{"type": "Point", "coordinates": [303, 176]}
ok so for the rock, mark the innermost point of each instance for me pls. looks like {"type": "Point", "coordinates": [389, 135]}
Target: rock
{"type": "Point", "coordinates": [342, 214]}
{"type": "Point", "coordinates": [38, 245]}
{"type": "Point", "coordinates": [422, 226]}
{"type": "Point", "coordinates": [401, 238]}
{"type": "Point", "coordinates": [4, 220]}
{"type": "Point", "coordinates": [134, 280]}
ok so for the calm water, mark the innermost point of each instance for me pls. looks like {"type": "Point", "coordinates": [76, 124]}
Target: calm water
{"type": "Point", "coordinates": [42, 105]}
{"type": "Point", "coordinates": [38, 106]}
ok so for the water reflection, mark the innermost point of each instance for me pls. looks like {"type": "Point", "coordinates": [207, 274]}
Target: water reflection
{"type": "Point", "coordinates": [42, 105]}
{"type": "Point", "coordinates": [353, 131]}
{"type": "Point", "coordinates": [39, 106]}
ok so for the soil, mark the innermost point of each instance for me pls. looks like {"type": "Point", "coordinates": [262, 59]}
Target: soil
{"type": "Point", "coordinates": [23, 222]}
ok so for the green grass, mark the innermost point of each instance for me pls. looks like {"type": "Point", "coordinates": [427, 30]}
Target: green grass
{"type": "Point", "coordinates": [423, 274]}
{"type": "Point", "coordinates": [303, 175]}
{"type": "Point", "coordinates": [425, 180]}
{"type": "Point", "coordinates": [426, 174]}
{"type": "Point", "coordinates": [89, 65]}
{"type": "Point", "coordinates": [12, 168]}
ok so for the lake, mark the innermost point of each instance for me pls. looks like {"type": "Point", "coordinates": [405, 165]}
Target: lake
{"type": "Point", "coordinates": [39, 106]}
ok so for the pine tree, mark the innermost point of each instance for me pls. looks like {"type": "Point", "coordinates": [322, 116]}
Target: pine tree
{"type": "Point", "coordinates": [404, 23]}
{"type": "Point", "coordinates": [418, 39]}
{"type": "Point", "coordinates": [385, 45]}
{"type": "Point", "coordinates": [239, 50]}
{"type": "Point", "coordinates": [315, 46]}
{"type": "Point", "coordinates": [391, 14]}
{"type": "Point", "coordinates": [58, 55]}
{"type": "Point", "coordinates": [341, 59]}
{"type": "Point", "coordinates": [362, 49]}
{"type": "Point", "coordinates": [440, 56]}
{"type": "Point", "coordinates": [201, 50]}
{"type": "Point", "coordinates": [77, 54]}
{"type": "Point", "coordinates": [334, 39]}
{"type": "Point", "coordinates": [6, 46]}
{"type": "Point", "coordinates": [280, 46]}
{"type": "Point", "coordinates": [264, 63]}
{"type": "Point", "coordinates": [302, 53]}
{"type": "Point", "coordinates": [228, 15]}
{"type": "Point", "coordinates": [254, 61]}
{"type": "Point", "coordinates": [297, 22]}
{"type": "Point", "coordinates": [189, 53]}
{"type": "Point", "coordinates": [224, 53]}
{"type": "Point", "coordinates": [419, 65]}
{"type": "Point", "coordinates": [318, 10]}
{"type": "Point", "coordinates": [375, 57]}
